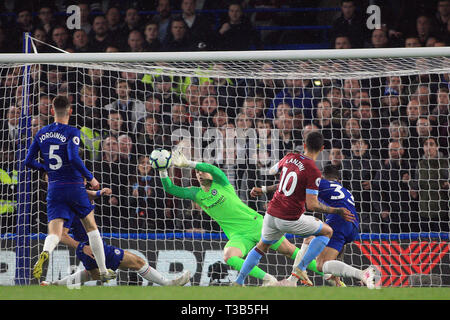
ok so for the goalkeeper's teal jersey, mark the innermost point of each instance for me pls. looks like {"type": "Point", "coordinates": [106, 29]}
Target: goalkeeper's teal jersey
{"type": "Point", "coordinates": [220, 202]}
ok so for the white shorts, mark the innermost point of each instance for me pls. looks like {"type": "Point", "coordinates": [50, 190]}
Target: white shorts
{"type": "Point", "coordinates": [274, 228]}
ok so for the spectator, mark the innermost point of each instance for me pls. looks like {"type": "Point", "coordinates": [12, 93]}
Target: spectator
{"type": "Point", "coordinates": [37, 123]}
{"type": "Point", "coordinates": [208, 107]}
{"type": "Point", "coordinates": [114, 215]}
{"type": "Point", "coordinates": [253, 108]}
{"type": "Point", "coordinates": [60, 38]}
{"type": "Point", "coordinates": [379, 39]}
{"type": "Point", "coordinates": [192, 98]}
{"type": "Point", "coordinates": [179, 118]}
{"type": "Point", "coordinates": [342, 42]}
{"type": "Point", "coordinates": [150, 135]}
{"type": "Point", "coordinates": [370, 126]}
{"type": "Point", "coordinates": [341, 107]}
{"type": "Point", "coordinates": [351, 131]}
{"type": "Point", "coordinates": [442, 16]}
{"type": "Point", "coordinates": [440, 116]}
{"type": "Point", "coordinates": [163, 19]}
{"type": "Point", "coordinates": [390, 109]}
{"type": "Point", "coordinates": [132, 21]}
{"type": "Point", "coordinates": [42, 43]}
{"type": "Point", "coordinates": [127, 154]}
{"type": "Point", "coordinates": [23, 23]}
{"type": "Point", "coordinates": [237, 33]}
{"type": "Point", "coordinates": [130, 109]}
{"type": "Point", "coordinates": [152, 42]}
{"type": "Point", "coordinates": [115, 126]}
{"type": "Point", "coordinates": [412, 41]}
{"type": "Point", "coordinates": [80, 41]}
{"type": "Point", "coordinates": [178, 38]}
{"type": "Point", "coordinates": [424, 28]}
{"type": "Point", "coordinates": [46, 19]}
{"type": "Point", "coordinates": [431, 180]}
{"type": "Point", "coordinates": [198, 26]}
{"type": "Point", "coordinates": [392, 185]}
{"type": "Point", "coordinates": [335, 157]}
{"type": "Point", "coordinates": [147, 199]}
{"type": "Point", "coordinates": [101, 38]}
{"type": "Point", "coordinates": [10, 128]}
{"type": "Point", "coordinates": [220, 118]}
{"type": "Point", "coordinates": [358, 171]}
{"type": "Point", "coordinates": [350, 23]}
{"type": "Point", "coordinates": [323, 121]}
{"type": "Point", "coordinates": [85, 11]}
{"type": "Point", "coordinates": [113, 20]}
{"type": "Point", "coordinates": [136, 42]}
{"type": "Point", "coordinates": [350, 88]}
{"type": "Point", "coordinates": [296, 94]}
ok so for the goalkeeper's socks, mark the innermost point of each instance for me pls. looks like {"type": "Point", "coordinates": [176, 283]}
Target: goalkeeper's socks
{"type": "Point", "coordinates": [250, 262]}
{"type": "Point", "coordinates": [96, 244]}
{"type": "Point", "coordinates": [341, 269]}
{"type": "Point", "coordinates": [150, 274]}
{"type": "Point", "coordinates": [50, 243]}
{"type": "Point", "coordinates": [237, 262]}
{"type": "Point", "coordinates": [314, 249]}
{"type": "Point", "coordinates": [79, 277]}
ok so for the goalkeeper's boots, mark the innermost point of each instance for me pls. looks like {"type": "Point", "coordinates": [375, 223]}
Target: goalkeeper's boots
{"type": "Point", "coordinates": [109, 275]}
{"type": "Point", "coordinates": [270, 282]}
{"type": "Point", "coordinates": [302, 276]}
{"type": "Point", "coordinates": [39, 266]}
{"type": "Point", "coordinates": [368, 277]}
{"type": "Point", "coordinates": [182, 280]}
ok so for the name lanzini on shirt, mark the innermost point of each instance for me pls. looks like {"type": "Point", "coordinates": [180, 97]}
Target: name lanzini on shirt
{"type": "Point", "coordinates": [297, 163]}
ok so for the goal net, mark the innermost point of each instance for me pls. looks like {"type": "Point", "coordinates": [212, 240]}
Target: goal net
{"type": "Point", "coordinates": [384, 115]}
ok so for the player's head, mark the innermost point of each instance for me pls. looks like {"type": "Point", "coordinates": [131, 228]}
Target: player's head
{"type": "Point", "coordinates": [204, 178]}
{"type": "Point", "coordinates": [314, 142]}
{"type": "Point", "coordinates": [331, 172]}
{"type": "Point", "coordinates": [61, 107]}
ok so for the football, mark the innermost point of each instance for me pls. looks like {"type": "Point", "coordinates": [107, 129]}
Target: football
{"type": "Point", "coordinates": [160, 159]}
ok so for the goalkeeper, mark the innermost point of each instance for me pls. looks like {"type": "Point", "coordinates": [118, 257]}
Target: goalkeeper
{"type": "Point", "coordinates": [241, 224]}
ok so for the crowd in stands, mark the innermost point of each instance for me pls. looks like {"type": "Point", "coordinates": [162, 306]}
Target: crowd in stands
{"type": "Point", "coordinates": [389, 136]}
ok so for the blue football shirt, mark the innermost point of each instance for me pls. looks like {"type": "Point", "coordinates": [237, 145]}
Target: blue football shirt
{"type": "Point", "coordinates": [58, 145]}
{"type": "Point", "coordinates": [333, 194]}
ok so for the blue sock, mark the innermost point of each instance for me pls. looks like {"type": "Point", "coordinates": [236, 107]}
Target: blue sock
{"type": "Point", "coordinates": [314, 249]}
{"type": "Point", "coordinates": [250, 262]}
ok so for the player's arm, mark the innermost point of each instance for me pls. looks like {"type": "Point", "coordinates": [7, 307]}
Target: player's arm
{"type": "Point", "coordinates": [92, 194]}
{"type": "Point", "coordinates": [179, 160]}
{"type": "Point", "coordinates": [177, 191]}
{"type": "Point", "coordinates": [259, 191]}
{"type": "Point", "coordinates": [313, 204]}
{"type": "Point", "coordinates": [32, 155]}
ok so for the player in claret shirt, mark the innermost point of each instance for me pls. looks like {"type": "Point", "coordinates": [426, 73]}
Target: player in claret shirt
{"type": "Point", "coordinates": [241, 224]}
{"type": "Point", "coordinates": [58, 145]}
{"type": "Point", "coordinates": [298, 187]}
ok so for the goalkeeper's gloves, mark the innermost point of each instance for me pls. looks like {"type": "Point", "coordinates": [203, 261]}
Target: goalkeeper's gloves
{"type": "Point", "coordinates": [180, 160]}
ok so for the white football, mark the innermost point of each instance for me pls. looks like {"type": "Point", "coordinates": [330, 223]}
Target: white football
{"type": "Point", "coordinates": [160, 159]}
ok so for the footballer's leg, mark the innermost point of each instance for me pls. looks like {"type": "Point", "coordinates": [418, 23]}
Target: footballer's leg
{"type": "Point", "coordinates": [133, 262]}
{"type": "Point", "coordinates": [233, 252]}
{"type": "Point", "coordinates": [55, 228]}
{"type": "Point", "coordinates": [96, 244]}
{"type": "Point", "coordinates": [329, 254]}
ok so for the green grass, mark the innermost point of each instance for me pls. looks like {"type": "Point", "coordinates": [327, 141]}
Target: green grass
{"type": "Point", "coordinates": [219, 293]}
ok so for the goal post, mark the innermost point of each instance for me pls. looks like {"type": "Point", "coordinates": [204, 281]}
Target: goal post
{"type": "Point", "coordinates": [383, 112]}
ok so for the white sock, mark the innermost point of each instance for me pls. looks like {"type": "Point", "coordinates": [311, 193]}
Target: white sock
{"type": "Point", "coordinates": [297, 260]}
{"type": "Point", "coordinates": [268, 277]}
{"type": "Point", "coordinates": [50, 243]}
{"type": "Point", "coordinates": [150, 274]}
{"type": "Point", "coordinates": [96, 244]}
{"type": "Point", "coordinates": [79, 277]}
{"type": "Point", "coordinates": [341, 269]}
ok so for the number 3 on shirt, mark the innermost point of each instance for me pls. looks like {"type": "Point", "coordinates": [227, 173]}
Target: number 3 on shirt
{"type": "Point", "coordinates": [282, 187]}
{"type": "Point", "coordinates": [52, 155]}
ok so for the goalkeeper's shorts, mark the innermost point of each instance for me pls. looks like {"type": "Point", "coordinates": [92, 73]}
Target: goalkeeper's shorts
{"type": "Point", "coordinates": [113, 257]}
{"type": "Point", "coordinates": [67, 201]}
{"type": "Point", "coordinates": [246, 243]}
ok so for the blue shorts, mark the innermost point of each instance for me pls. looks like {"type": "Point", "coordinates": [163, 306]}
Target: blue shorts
{"type": "Point", "coordinates": [62, 202]}
{"type": "Point", "coordinates": [343, 233]}
{"type": "Point", "coordinates": [113, 257]}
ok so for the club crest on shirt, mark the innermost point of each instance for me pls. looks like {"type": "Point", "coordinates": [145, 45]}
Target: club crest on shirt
{"type": "Point", "coordinates": [317, 181]}
{"type": "Point", "coordinates": [117, 252]}
{"type": "Point", "coordinates": [214, 192]}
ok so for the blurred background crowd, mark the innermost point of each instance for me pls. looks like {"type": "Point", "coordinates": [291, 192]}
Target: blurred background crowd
{"type": "Point", "coordinates": [389, 135]}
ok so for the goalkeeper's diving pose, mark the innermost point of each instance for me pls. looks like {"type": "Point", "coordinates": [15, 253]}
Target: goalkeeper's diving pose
{"type": "Point", "coordinates": [241, 224]}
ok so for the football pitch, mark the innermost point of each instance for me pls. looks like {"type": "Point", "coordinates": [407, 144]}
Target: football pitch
{"type": "Point", "coordinates": [219, 293]}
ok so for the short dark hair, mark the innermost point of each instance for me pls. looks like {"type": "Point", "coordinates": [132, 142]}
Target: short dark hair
{"type": "Point", "coordinates": [61, 105]}
{"type": "Point", "coordinates": [331, 172]}
{"type": "Point", "coordinates": [314, 141]}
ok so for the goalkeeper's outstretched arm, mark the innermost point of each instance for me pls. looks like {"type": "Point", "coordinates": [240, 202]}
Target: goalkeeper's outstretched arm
{"type": "Point", "coordinates": [177, 191]}
{"type": "Point", "coordinates": [179, 160]}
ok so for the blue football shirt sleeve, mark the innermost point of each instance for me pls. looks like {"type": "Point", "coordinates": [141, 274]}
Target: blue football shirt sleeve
{"type": "Point", "coordinates": [32, 155]}
{"type": "Point", "coordinates": [74, 157]}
